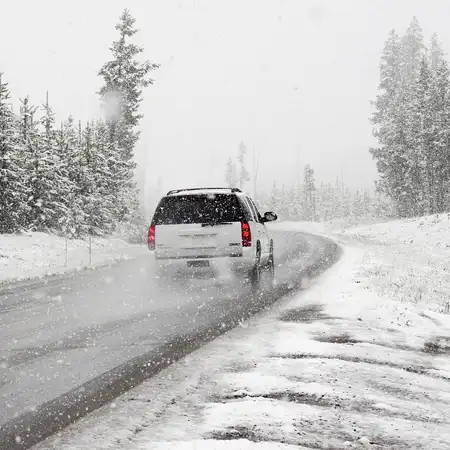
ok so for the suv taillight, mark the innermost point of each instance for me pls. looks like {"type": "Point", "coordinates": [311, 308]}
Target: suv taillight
{"type": "Point", "coordinates": [151, 237]}
{"type": "Point", "coordinates": [246, 234]}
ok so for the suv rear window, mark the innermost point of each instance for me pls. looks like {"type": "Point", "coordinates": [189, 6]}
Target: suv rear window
{"type": "Point", "coordinates": [188, 209]}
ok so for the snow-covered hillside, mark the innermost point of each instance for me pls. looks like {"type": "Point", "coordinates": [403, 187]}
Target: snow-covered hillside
{"type": "Point", "coordinates": [38, 254]}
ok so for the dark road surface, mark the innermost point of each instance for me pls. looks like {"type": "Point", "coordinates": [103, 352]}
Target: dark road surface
{"type": "Point", "coordinates": [56, 337]}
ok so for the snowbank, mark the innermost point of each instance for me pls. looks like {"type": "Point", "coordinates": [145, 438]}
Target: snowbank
{"type": "Point", "coordinates": [410, 259]}
{"type": "Point", "coordinates": [336, 366]}
{"type": "Point", "coordinates": [431, 232]}
{"type": "Point", "coordinates": [38, 254]}
{"type": "Point", "coordinates": [406, 260]}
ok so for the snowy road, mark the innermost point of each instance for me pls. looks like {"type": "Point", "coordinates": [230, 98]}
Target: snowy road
{"type": "Point", "coordinates": [58, 335]}
{"type": "Point", "coordinates": [338, 365]}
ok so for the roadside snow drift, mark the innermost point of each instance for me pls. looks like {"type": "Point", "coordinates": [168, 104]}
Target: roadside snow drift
{"type": "Point", "coordinates": [39, 254]}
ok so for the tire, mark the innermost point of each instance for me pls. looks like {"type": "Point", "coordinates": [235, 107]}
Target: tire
{"type": "Point", "coordinates": [268, 277]}
{"type": "Point", "coordinates": [255, 276]}
{"type": "Point", "coordinates": [271, 266]}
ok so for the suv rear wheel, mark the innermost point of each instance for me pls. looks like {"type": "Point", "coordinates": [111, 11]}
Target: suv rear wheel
{"type": "Point", "coordinates": [255, 275]}
{"type": "Point", "coordinates": [271, 263]}
{"type": "Point", "coordinates": [270, 269]}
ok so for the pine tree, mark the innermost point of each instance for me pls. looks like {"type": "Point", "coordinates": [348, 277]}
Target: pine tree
{"type": "Point", "coordinates": [244, 175]}
{"type": "Point", "coordinates": [100, 167]}
{"type": "Point", "coordinates": [390, 79]}
{"type": "Point", "coordinates": [402, 123]}
{"type": "Point", "coordinates": [326, 209]}
{"type": "Point", "coordinates": [230, 173]}
{"type": "Point", "coordinates": [398, 169]}
{"type": "Point", "coordinates": [294, 201]}
{"type": "Point", "coordinates": [49, 182]}
{"type": "Point", "coordinates": [337, 199]}
{"type": "Point", "coordinates": [87, 185]}
{"type": "Point", "coordinates": [124, 78]}
{"type": "Point", "coordinates": [358, 209]}
{"type": "Point", "coordinates": [95, 192]}
{"type": "Point", "coordinates": [27, 124]}
{"type": "Point", "coordinates": [274, 200]}
{"type": "Point", "coordinates": [346, 203]}
{"type": "Point", "coordinates": [440, 104]}
{"type": "Point", "coordinates": [367, 204]}
{"type": "Point", "coordinates": [73, 224]}
{"type": "Point", "coordinates": [390, 125]}
{"type": "Point", "coordinates": [13, 191]}
{"type": "Point", "coordinates": [28, 138]}
{"type": "Point", "coordinates": [421, 145]}
{"type": "Point", "coordinates": [382, 208]}
{"type": "Point", "coordinates": [309, 188]}
{"type": "Point", "coordinates": [412, 49]}
{"type": "Point", "coordinates": [436, 54]}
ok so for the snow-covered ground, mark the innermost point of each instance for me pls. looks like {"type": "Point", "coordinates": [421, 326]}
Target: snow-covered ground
{"type": "Point", "coordinates": [353, 361]}
{"type": "Point", "coordinates": [32, 255]}
{"type": "Point", "coordinates": [406, 260]}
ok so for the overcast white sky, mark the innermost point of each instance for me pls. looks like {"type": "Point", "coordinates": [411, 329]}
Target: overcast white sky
{"type": "Point", "coordinates": [291, 78]}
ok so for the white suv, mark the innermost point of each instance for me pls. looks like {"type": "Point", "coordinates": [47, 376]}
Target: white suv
{"type": "Point", "coordinates": [211, 229]}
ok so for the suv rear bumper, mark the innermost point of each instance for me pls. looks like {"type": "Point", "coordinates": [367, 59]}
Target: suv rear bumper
{"type": "Point", "coordinates": [239, 263]}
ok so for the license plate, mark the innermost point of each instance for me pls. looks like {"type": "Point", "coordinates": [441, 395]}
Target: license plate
{"type": "Point", "coordinates": [198, 264]}
{"type": "Point", "coordinates": [200, 242]}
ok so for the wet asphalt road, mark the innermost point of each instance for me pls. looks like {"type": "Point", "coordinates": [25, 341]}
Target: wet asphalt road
{"type": "Point", "coordinates": [56, 336]}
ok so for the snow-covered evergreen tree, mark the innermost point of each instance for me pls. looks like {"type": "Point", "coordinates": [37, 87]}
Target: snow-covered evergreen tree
{"type": "Point", "coordinates": [390, 80]}
{"type": "Point", "coordinates": [124, 78]}
{"type": "Point", "coordinates": [49, 190]}
{"type": "Point", "coordinates": [103, 201]}
{"type": "Point", "coordinates": [244, 175]}
{"type": "Point", "coordinates": [87, 180]}
{"type": "Point", "coordinates": [390, 124]}
{"type": "Point", "coordinates": [73, 224]}
{"type": "Point", "coordinates": [28, 138]}
{"type": "Point", "coordinates": [420, 143]}
{"type": "Point", "coordinates": [13, 191]}
{"type": "Point", "coordinates": [275, 200]}
{"type": "Point", "coordinates": [440, 105]}
{"type": "Point", "coordinates": [326, 200]}
{"type": "Point", "coordinates": [359, 207]}
{"type": "Point", "coordinates": [367, 204]}
{"type": "Point", "coordinates": [309, 194]}
{"type": "Point", "coordinates": [412, 50]}
{"type": "Point", "coordinates": [411, 122]}
{"type": "Point", "coordinates": [436, 54]}
{"type": "Point", "coordinates": [230, 173]}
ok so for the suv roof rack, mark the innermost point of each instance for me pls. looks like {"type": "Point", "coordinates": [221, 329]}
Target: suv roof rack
{"type": "Point", "coordinates": [176, 191]}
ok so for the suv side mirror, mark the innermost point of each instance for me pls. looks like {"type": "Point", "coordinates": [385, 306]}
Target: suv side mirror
{"type": "Point", "coordinates": [269, 217]}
